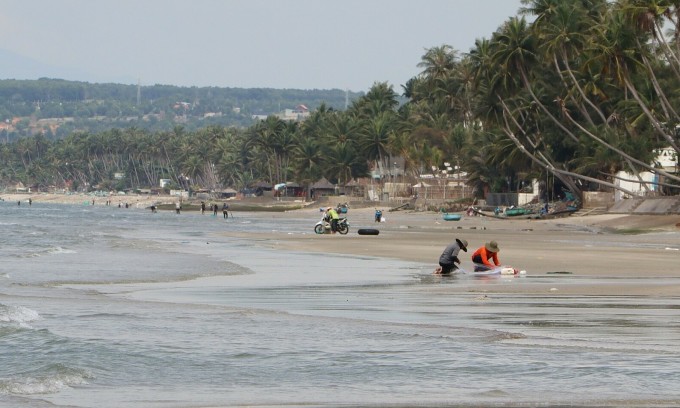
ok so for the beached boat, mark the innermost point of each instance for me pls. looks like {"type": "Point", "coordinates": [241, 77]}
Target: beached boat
{"type": "Point", "coordinates": [451, 217]}
{"type": "Point", "coordinates": [511, 212]}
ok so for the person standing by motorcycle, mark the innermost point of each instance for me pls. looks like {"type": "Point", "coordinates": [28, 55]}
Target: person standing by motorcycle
{"type": "Point", "coordinates": [333, 215]}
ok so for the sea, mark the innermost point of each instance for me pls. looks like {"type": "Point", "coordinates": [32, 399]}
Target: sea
{"type": "Point", "coordinates": [106, 307]}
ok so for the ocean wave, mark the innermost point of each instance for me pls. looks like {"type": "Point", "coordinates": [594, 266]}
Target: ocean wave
{"type": "Point", "coordinates": [17, 314]}
{"type": "Point", "coordinates": [57, 250]}
{"type": "Point", "coordinates": [45, 380]}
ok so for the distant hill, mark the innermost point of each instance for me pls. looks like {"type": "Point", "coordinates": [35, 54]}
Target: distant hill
{"type": "Point", "coordinates": [15, 66]}
{"type": "Point", "coordinates": [57, 107]}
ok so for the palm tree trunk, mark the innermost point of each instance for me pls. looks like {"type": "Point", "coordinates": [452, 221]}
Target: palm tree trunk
{"type": "Point", "coordinates": [545, 110]}
{"type": "Point", "coordinates": [649, 114]}
{"type": "Point", "coordinates": [580, 90]}
{"type": "Point", "coordinates": [619, 151]}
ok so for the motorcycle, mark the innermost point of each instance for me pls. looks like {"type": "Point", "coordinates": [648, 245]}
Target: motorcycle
{"type": "Point", "coordinates": [324, 226]}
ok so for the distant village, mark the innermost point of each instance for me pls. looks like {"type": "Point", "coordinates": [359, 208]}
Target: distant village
{"type": "Point", "coordinates": [179, 116]}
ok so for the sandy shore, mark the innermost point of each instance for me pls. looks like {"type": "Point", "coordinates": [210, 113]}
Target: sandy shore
{"type": "Point", "coordinates": [615, 254]}
{"type": "Point", "coordinates": [618, 254]}
{"type": "Point", "coordinates": [136, 201]}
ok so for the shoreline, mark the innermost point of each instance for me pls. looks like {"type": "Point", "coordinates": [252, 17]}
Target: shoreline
{"type": "Point", "coordinates": [617, 253]}
{"type": "Point", "coordinates": [565, 256]}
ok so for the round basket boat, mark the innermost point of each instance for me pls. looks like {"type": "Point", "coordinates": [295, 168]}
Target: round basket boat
{"type": "Point", "coordinates": [368, 231]}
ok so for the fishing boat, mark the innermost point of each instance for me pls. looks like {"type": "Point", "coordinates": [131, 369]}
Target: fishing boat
{"type": "Point", "coordinates": [451, 217]}
{"type": "Point", "coordinates": [511, 212]}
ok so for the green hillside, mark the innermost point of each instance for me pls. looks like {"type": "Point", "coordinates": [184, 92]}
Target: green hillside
{"type": "Point", "coordinates": [57, 107]}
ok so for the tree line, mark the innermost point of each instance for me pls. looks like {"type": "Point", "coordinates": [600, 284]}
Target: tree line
{"type": "Point", "coordinates": [99, 107]}
{"type": "Point", "coordinates": [574, 91]}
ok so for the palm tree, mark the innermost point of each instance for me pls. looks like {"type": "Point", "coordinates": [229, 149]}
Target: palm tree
{"type": "Point", "coordinates": [374, 137]}
{"type": "Point", "coordinates": [438, 62]}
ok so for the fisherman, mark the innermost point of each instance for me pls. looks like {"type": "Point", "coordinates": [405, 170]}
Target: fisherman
{"type": "Point", "coordinates": [484, 255]}
{"type": "Point", "coordinates": [449, 258]}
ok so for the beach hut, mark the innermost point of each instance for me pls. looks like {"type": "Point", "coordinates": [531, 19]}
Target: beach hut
{"type": "Point", "coordinates": [226, 193]}
{"type": "Point", "coordinates": [321, 188]}
{"type": "Point", "coordinates": [356, 188]}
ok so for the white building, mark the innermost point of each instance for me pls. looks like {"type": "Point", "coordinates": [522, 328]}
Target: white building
{"type": "Point", "coordinates": [667, 159]}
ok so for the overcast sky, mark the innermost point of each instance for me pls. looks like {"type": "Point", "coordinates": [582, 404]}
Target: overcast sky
{"type": "Point", "coordinates": [303, 44]}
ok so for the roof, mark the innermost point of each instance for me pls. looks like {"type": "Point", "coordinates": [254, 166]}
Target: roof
{"type": "Point", "coordinates": [323, 183]}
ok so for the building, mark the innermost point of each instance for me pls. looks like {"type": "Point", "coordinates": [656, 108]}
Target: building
{"type": "Point", "coordinates": [652, 183]}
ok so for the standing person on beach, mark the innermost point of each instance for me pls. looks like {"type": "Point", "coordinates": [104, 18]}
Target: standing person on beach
{"type": "Point", "coordinates": [449, 258]}
{"type": "Point", "coordinates": [202, 207]}
{"type": "Point", "coordinates": [225, 210]}
{"type": "Point", "coordinates": [178, 207]}
{"type": "Point", "coordinates": [484, 255]}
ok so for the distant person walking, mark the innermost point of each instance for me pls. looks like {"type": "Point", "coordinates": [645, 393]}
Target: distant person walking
{"type": "Point", "coordinates": [178, 207]}
{"type": "Point", "coordinates": [225, 210]}
{"type": "Point", "coordinates": [202, 207]}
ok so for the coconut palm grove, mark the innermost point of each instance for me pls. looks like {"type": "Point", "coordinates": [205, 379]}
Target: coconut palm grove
{"type": "Point", "coordinates": [566, 91]}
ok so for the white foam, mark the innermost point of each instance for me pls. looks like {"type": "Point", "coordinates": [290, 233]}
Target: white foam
{"type": "Point", "coordinates": [18, 314]}
{"type": "Point", "coordinates": [47, 384]}
{"type": "Point", "coordinates": [60, 250]}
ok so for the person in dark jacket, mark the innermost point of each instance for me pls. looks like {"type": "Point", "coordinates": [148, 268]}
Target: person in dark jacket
{"type": "Point", "coordinates": [449, 258]}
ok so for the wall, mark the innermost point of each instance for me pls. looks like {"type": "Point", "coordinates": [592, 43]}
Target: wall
{"type": "Point", "coordinates": [594, 199]}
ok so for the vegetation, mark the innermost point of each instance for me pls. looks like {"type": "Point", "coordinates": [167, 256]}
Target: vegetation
{"type": "Point", "coordinates": [579, 91]}
{"type": "Point", "coordinates": [95, 108]}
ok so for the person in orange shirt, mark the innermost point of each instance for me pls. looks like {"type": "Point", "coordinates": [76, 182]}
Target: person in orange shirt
{"type": "Point", "coordinates": [483, 256]}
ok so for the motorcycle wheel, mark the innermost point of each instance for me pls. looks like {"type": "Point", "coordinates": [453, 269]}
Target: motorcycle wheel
{"type": "Point", "coordinates": [318, 229]}
{"type": "Point", "coordinates": [343, 229]}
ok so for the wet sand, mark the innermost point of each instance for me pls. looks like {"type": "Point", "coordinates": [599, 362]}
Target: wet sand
{"type": "Point", "coordinates": [618, 253]}
{"type": "Point", "coordinates": [592, 255]}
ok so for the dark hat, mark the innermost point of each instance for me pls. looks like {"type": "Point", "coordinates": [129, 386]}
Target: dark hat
{"type": "Point", "coordinates": [492, 246]}
{"type": "Point", "coordinates": [462, 244]}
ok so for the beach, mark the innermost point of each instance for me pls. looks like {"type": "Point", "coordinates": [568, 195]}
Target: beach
{"type": "Point", "coordinates": [135, 200]}
{"type": "Point", "coordinates": [606, 246]}
{"type": "Point", "coordinates": [103, 307]}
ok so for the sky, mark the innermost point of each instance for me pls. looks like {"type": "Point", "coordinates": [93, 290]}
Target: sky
{"type": "Point", "coordinates": [301, 44]}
